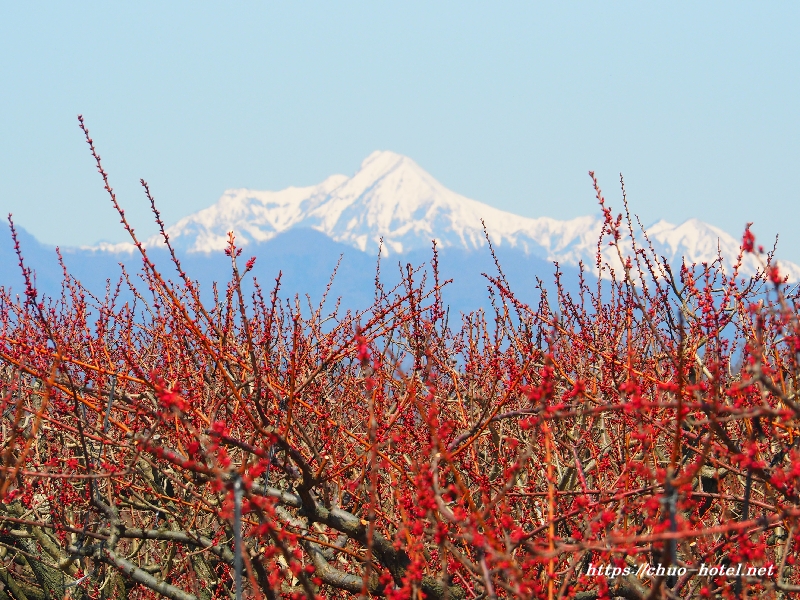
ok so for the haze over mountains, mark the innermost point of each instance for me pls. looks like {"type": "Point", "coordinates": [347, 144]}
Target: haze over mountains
{"type": "Point", "coordinates": [301, 232]}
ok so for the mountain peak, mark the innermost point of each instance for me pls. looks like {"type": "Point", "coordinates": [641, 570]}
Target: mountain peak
{"type": "Point", "coordinates": [383, 160]}
{"type": "Point", "coordinates": [388, 178]}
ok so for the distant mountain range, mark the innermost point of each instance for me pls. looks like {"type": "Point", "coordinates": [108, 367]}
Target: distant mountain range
{"type": "Point", "coordinates": [303, 231]}
{"type": "Point", "coordinates": [392, 198]}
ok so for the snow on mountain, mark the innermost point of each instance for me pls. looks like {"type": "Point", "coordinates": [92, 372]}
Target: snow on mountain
{"type": "Point", "coordinates": [697, 242]}
{"type": "Point", "coordinates": [393, 198]}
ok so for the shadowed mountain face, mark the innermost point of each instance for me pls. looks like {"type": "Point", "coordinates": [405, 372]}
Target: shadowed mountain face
{"type": "Point", "coordinates": [305, 258]}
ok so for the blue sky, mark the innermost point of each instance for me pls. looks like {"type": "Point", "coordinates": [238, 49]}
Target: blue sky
{"type": "Point", "coordinates": [697, 104]}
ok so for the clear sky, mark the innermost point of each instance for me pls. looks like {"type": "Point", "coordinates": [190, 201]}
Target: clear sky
{"type": "Point", "coordinates": [697, 104]}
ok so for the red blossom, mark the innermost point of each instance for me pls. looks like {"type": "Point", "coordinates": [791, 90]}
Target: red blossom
{"type": "Point", "coordinates": [170, 397]}
{"type": "Point", "coordinates": [775, 275]}
{"type": "Point", "coordinates": [748, 240]}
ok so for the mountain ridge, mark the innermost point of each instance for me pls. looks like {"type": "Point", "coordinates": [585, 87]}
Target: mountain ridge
{"type": "Point", "coordinates": [391, 202]}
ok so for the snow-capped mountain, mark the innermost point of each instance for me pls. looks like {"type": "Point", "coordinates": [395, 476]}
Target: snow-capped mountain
{"type": "Point", "coordinates": [392, 198]}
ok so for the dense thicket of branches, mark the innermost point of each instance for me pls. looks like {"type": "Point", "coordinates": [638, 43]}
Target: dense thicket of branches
{"type": "Point", "coordinates": [160, 446]}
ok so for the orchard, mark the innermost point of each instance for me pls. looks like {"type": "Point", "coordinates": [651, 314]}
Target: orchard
{"type": "Point", "coordinates": [609, 444]}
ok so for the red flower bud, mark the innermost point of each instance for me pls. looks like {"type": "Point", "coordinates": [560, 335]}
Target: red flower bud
{"type": "Point", "coordinates": [748, 240]}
